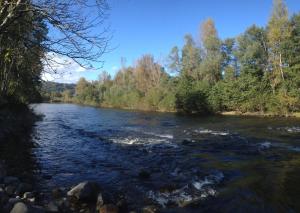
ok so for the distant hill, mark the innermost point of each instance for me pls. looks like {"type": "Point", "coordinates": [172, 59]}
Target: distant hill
{"type": "Point", "coordinates": [57, 92]}
{"type": "Point", "coordinates": [53, 87]}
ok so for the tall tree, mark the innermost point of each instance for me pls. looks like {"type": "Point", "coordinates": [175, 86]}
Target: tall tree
{"type": "Point", "coordinates": [252, 52]}
{"type": "Point", "coordinates": [21, 53]}
{"type": "Point", "coordinates": [148, 73]}
{"type": "Point", "coordinates": [174, 60]}
{"type": "Point", "coordinates": [279, 31]}
{"type": "Point", "coordinates": [212, 57]}
{"type": "Point", "coordinates": [190, 58]}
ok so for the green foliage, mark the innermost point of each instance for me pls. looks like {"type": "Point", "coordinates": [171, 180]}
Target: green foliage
{"type": "Point", "coordinates": [21, 53]}
{"type": "Point", "coordinates": [252, 51]}
{"type": "Point", "coordinates": [191, 97]}
{"type": "Point", "coordinates": [259, 71]}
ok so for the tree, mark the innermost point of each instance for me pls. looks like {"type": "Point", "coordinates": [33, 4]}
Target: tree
{"type": "Point", "coordinates": [71, 23]}
{"type": "Point", "coordinates": [228, 58]}
{"type": "Point", "coordinates": [27, 48]}
{"type": "Point", "coordinates": [174, 60]}
{"type": "Point", "coordinates": [252, 52]}
{"type": "Point", "coordinates": [279, 31]}
{"type": "Point", "coordinates": [20, 54]}
{"type": "Point", "coordinates": [190, 58]}
{"type": "Point", "coordinates": [211, 66]}
{"type": "Point", "coordinates": [292, 72]}
{"type": "Point", "coordinates": [147, 73]}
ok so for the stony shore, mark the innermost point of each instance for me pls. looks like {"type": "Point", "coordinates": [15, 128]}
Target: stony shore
{"type": "Point", "coordinates": [86, 197]}
{"type": "Point", "coordinates": [18, 190]}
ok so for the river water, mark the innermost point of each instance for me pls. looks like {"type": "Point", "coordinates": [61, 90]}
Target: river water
{"type": "Point", "coordinates": [178, 163]}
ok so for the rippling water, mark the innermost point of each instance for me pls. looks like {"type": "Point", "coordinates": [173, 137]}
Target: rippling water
{"type": "Point", "coordinates": [212, 164]}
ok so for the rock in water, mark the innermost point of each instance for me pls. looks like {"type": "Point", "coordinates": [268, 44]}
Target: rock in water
{"type": "Point", "coordinates": [100, 201]}
{"type": "Point", "coordinates": [19, 208]}
{"type": "Point", "coordinates": [85, 191]}
{"type": "Point", "coordinates": [109, 208]}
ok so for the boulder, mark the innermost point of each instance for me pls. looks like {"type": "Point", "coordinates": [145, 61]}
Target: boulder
{"type": "Point", "coordinates": [20, 208]}
{"type": "Point", "coordinates": [85, 191]}
{"type": "Point", "coordinates": [109, 208]}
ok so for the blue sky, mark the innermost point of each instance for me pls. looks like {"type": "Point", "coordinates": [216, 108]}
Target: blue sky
{"type": "Point", "coordinates": [155, 26]}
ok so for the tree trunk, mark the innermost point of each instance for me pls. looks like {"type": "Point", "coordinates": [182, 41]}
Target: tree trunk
{"type": "Point", "coordinates": [280, 66]}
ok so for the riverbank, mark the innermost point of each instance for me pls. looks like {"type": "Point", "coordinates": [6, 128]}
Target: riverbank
{"type": "Point", "coordinates": [19, 172]}
{"type": "Point", "coordinates": [16, 121]}
{"type": "Point", "coordinates": [260, 114]}
{"type": "Point", "coordinates": [20, 190]}
{"type": "Point", "coordinates": [225, 113]}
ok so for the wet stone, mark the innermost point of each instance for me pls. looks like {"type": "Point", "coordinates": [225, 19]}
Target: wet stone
{"type": "Point", "coordinates": [85, 191]}
{"type": "Point", "coordinates": [109, 208]}
{"type": "Point", "coordinates": [28, 195]}
{"type": "Point", "coordinates": [100, 201]}
{"type": "Point", "coordinates": [150, 209]}
{"type": "Point", "coordinates": [20, 208]}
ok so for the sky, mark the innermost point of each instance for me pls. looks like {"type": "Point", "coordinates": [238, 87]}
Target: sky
{"type": "Point", "coordinates": [155, 26]}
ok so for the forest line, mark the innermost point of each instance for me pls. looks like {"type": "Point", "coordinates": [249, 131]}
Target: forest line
{"type": "Point", "coordinates": [258, 71]}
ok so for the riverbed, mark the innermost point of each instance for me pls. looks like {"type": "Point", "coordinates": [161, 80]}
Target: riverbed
{"type": "Point", "coordinates": [177, 163]}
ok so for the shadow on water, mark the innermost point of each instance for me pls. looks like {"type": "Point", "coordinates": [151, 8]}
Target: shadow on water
{"type": "Point", "coordinates": [213, 164]}
{"type": "Point", "coordinates": [16, 151]}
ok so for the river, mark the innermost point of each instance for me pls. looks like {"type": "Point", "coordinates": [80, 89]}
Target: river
{"type": "Point", "coordinates": [179, 163]}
